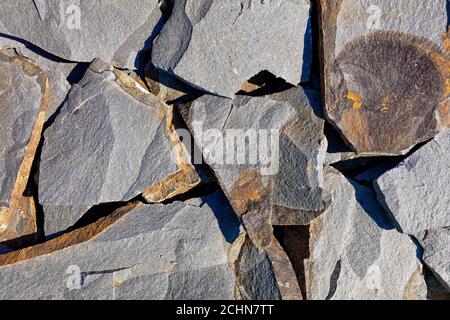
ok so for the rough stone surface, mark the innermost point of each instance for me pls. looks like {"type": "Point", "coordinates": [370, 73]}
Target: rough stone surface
{"type": "Point", "coordinates": [57, 74]}
{"type": "Point", "coordinates": [115, 31]}
{"type": "Point", "coordinates": [386, 80]}
{"type": "Point", "coordinates": [217, 45]}
{"type": "Point", "coordinates": [415, 192]}
{"type": "Point", "coordinates": [23, 104]}
{"type": "Point", "coordinates": [112, 141]}
{"type": "Point", "coordinates": [355, 253]}
{"type": "Point", "coordinates": [174, 251]}
{"type": "Point", "coordinates": [437, 253]}
{"type": "Point", "coordinates": [283, 185]}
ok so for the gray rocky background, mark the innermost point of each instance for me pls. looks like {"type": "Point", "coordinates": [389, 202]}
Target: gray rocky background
{"type": "Point", "coordinates": [225, 149]}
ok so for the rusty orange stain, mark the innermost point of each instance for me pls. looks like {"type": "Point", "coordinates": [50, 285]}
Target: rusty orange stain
{"type": "Point", "coordinates": [354, 96]}
{"type": "Point", "coordinates": [385, 104]}
{"type": "Point", "coordinates": [447, 87]}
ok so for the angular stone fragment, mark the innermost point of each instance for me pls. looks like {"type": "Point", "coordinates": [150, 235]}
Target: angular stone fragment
{"type": "Point", "coordinates": [354, 252]}
{"type": "Point", "coordinates": [217, 45]}
{"type": "Point", "coordinates": [115, 31]}
{"type": "Point", "coordinates": [436, 245]}
{"type": "Point", "coordinates": [386, 80]}
{"type": "Point", "coordinates": [23, 103]}
{"type": "Point", "coordinates": [415, 192]}
{"type": "Point", "coordinates": [174, 251]}
{"type": "Point", "coordinates": [112, 141]}
{"type": "Point", "coordinates": [262, 274]}
{"type": "Point", "coordinates": [267, 153]}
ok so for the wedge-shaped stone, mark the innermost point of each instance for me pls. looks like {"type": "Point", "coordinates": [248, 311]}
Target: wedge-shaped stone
{"type": "Point", "coordinates": [262, 274]}
{"type": "Point", "coordinates": [386, 79]}
{"type": "Point", "coordinates": [174, 251]}
{"type": "Point", "coordinates": [415, 193]}
{"type": "Point", "coordinates": [267, 153]}
{"type": "Point", "coordinates": [112, 141]}
{"type": "Point", "coordinates": [23, 104]}
{"type": "Point", "coordinates": [217, 45]}
{"type": "Point", "coordinates": [355, 253]}
{"type": "Point", "coordinates": [82, 30]}
{"type": "Point", "coordinates": [436, 245]}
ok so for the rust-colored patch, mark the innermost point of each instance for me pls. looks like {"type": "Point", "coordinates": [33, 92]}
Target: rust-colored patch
{"type": "Point", "coordinates": [415, 286]}
{"type": "Point", "coordinates": [356, 128]}
{"type": "Point", "coordinates": [354, 96]}
{"type": "Point", "coordinates": [247, 191]}
{"type": "Point", "coordinates": [69, 239]}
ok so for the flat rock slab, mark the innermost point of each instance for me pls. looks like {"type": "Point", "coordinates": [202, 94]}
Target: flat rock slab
{"type": "Point", "coordinates": [355, 253]}
{"type": "Point", "coordinates": [112, 141]}
{"type": "Point", "coordinates": [436, 245]}
{"type": "Point", "coordinates": [415, 193]}
{"type": "Point", "coordinates": [267, 153]}
{"type": "Point", "coordinates": [174, 251]}
{"type": "Point", "coordinates": [24, 96]}
{"type": "Point", "coordinates": [80, 30]}
{"type": "Point", "coordinates": [218, 45]}
{"type": "Point", "coordinates": [386, 79]}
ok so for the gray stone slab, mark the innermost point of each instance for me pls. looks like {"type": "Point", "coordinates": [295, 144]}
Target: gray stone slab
{"type": "Point", "coordinates": [415, 192]}
{"type": "Point", "coordinates": [23, 105]}
{"type": "Point", "coordinates": [112, 141]}
{"type": "Point", "coordinates": [174, 251]}
{"type": "Point", "coordinates": [355, 253]}
{"type": "Point", "coordinates": [81, 30]}
{"type": "Point", "coordinates": [218, 45]}
{"type": "Point", "coordinates": [277, 173]}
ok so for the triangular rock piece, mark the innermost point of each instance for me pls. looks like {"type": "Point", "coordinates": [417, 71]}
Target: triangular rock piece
{"type": "Point", "coordinates": [386, 81]}
{"type": "Point", "coordinates": [415, 193]}
{"type": "Point", "coordinates": [437, 253]}
{"type": "Point", "coordinates": [262, 274]}
{"type": "Point", "coordinates": [217, 45]}
{"type": "Point", "coordinates": [175, 251]}
{"type": "Point", "coordinates": [355, 253]}
{"type": "Point", "coordinates": [24, 97]}
{"type": "Point", "coordinates": [78, 30]}
{"type": "Point", "coordinates": [112, 141]}
{"type": "Point", "coordinates": [267, 153]}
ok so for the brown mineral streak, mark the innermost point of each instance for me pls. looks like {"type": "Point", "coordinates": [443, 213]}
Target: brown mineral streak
{"type": "Point", "coordinates": [284, 272]}
{"type": "Point", "coordinates": [410, 292]}
{"type": "Point", "coordinates": [22, 208]}
{"type": "Point", "coordinates": [186, 178]}
{"type": "Point", "coordinates": [69, 239]}
{"type": "Point", "coordinates": [181, 181]}
{"type": "Point", "coordinates": [247, 190]}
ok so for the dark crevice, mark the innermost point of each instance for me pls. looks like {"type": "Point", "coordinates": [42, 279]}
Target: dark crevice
{"type": "Point", "coordinates": [100, 211]}
{"type": "Point", "coordinates": [295, 242]}
{"type": "Point", "coordinates": [333, 280]}
{"type": "Point", "coordinates": [380, 164]}
{"type": "Point", "coordinates": [268, 84]}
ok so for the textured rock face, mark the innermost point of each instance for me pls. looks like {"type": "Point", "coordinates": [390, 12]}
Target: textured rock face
{"type": "Point", "coordinates": [354, 252]}
{"type": "Point", "coordinates": [112, 141]}
{"type": "Point", "coordinates": [217, 45]}
{"type": "Point", "coordinates": [380, 72]}
{"type": "Point", "coordinates": [57, 74]}
{"type": "Point", "coordinates": [437, 253]}
{"type": "Point", "coordinates": [175, 251]}
{"type": "Point", "coordinates": [82, 30]}
{"type": "Point", "coordinates": [23, 103]}
{"type": "Point", "coordinates": [415, 193]}
{"type": "Point", "coordinates": [276, 176]}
